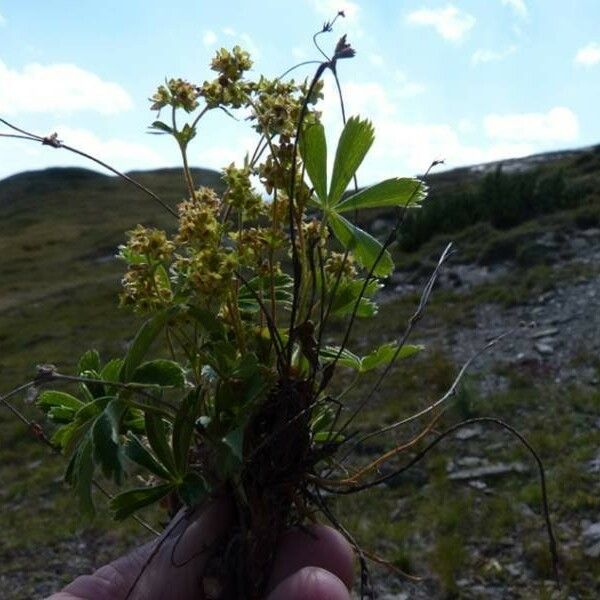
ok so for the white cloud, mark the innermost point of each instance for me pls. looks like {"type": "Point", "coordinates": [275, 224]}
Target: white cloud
{"type": "Point", "coordinates": [589, 55]}
{"type": "Point", "coordinates": [559, 124]}
{"type": "Point", "coordinates": [518, 6]}
{"type": "Point", "coordinates": [404, 146]}
{"type": "Point", "coordinates": [209, 37]}
{"type": "Point", "coordinates": [481, 56]}
{"type": "Point", "coordinates": [58, 87]}
{"type": "Point", "coordinates": [299, 53]}
{"type": "Point", "coordinates": [404, 88]}
{"type": "Point", "coordinates": [376, 59]}
{"type": "Point", "coordinates": [449, 22]}
{"type": "Point", "coordinates": [2, 21]}
{"type": "Point", "coordinates": [121, 154]}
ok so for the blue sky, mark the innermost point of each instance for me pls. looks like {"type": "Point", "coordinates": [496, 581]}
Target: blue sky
{"type": "Point", "coordinates": [464, 80]}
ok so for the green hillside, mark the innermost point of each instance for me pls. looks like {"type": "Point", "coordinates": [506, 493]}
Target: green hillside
{"type": "Point", "coordinates": [59, 230]}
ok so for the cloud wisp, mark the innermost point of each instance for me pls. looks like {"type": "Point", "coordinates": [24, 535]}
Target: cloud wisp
{"type": "Point", "coordinates": [449, 22]}
{"type": "Point", "coordinates": [59, 87]}
{"type": "Point", "coordinates": [518, 7]}
{"type": "Point", "coordinates": [588, 56]}
{"type": "Point", "coordinates": [559, 124]}
{"type": "Point", "coordinates": [481, 56]}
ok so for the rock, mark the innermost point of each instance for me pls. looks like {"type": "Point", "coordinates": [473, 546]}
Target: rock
{"type": "Point", "coordinates": [590, 537]}
{"type": "Point", "coordinates": [544, 349]}
{"type": "Point", "coordinates": [478, 485]}
{"type": "Point", "coordinates": [591, 532]}
{"type": "Point", "coordinates": [592, 551]}
{"type": "Point", "coordinates": [544, 333]}
{"type": "Point", "coordinates": [488, 471]}
{"type": "Point", "coordinates": [467, 433]}
{"type": "Point", "coordinates": [594, 464]}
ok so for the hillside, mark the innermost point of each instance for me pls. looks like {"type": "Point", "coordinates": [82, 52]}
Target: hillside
{"type": "Point", "coordinates": [468, 517]}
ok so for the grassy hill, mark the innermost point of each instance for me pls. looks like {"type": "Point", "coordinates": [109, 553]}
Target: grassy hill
{"type": "Point", "coordinates": [59, 230]}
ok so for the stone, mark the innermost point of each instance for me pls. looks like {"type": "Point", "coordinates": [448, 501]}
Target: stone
{"type": "Point", "coordinates": [467, 433]}
{"type": "Point", "coordinates": [488, 471]}
{"type": "Point", "coordinates": [544, 333]}
{"type": "Point", "coordinates": [544, 349]}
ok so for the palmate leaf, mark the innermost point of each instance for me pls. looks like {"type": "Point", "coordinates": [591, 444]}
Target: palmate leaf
{"type": "Point", "coordinates": [355, 141]}
{"type": "Point", "coordinates": [163, 372]}
{"type": "Point", "coordinates": [156, 432]}
{"type": "Point", "coordinates": [313, 147]}
{"type": "Point", "coordinates": [382, 355]}
{"type": "Point", "coordinates": [105, 438]}
{"type": "Point", "coordinates": [385, 353]}
{"type": "Point", "coordinates": [79, 474]}
{"type": "Point", "coordinates": [401, 192]}
{"type": "Point", "coordinates": [135, 451]}
{"type": "Point", "coordinates": [128, 502]}
{"type": "Point", "coordinates": [364, 247]}
{"type": "Point", "coordinates": [147, 333]}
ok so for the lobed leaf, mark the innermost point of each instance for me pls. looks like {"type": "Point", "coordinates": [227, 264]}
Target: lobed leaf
{"type": "Point", "coordinates": [313, 147]}
{"type": "Point", "coordinates": [365, 248]}
{"type": "Point", "coordinates": [401, 192]}
{"type": "Point", "coordinates": [163, 372]}
{"type": "Point", "coordinates": [355, 141]}
{"type": "Point", "coordinates": [128, 502]}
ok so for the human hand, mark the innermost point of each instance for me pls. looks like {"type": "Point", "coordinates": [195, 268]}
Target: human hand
{"type": "Point", "coordinates": [309, 565]}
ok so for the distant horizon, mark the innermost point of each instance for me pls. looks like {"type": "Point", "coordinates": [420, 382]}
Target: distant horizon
{"type": "Point", "coordinates": [442, 168]}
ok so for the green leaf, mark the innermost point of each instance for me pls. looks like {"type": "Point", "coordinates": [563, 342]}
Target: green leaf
{"type": "Point", "coordinates": [193, 489]}
{"type": "Point", "coordinates": [183, 428]}
{"type": "Point", "coordinates": [135, 451]}
{"type": "Point", "coordinates": [156, 432]}
{"type": "Point", "coordinates": [92, 409]}
{"type": "Point", "coordinates": [52, 398]}
{"type": "Point", "coordinates": [166, 373]}
{"type": "Point", "coordinates": [61, 414]}
{"type": "Point", "coordinates": [161, 127]}
{"type": "Point", "coordinates": [355, 141]}
{"type": "Point", "coordinates": [141, 344]}
{"type": "Point", "coordinates": [346, 359]}
{"type": "Point", "coordinates": [80, 473]}
{"type": "Point", "coordinates": [404, 191]}
{"type": "Point", "coordinates": [331, 436]}
{"type": "Point", "coordinates": [90, 361]}
{"type": "Point", "coordinates": [128, 502]}
{"type": "Point", "coordinates": [385, 354]}
{"type": "Point", "coordinates": [365, 248]}
{"type": "Point", "coordinates": [105, 437]}
{"type": "Point", "coordinates": [313, 147]}
{"type": "Point", "coordinates": [347, 293]}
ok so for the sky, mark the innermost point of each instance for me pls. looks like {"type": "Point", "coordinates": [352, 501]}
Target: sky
{"type": "Point", "coordinates": [466, 81]}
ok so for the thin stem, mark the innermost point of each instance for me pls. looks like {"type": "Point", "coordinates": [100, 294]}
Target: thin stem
{"type": "Point", "coordinates": [54, 142]}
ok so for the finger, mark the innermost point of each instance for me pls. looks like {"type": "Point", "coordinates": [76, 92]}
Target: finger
{"type": "Point", "coordinates": [315, 546]}
{"type": "Point", "coordinates": [310, 583]}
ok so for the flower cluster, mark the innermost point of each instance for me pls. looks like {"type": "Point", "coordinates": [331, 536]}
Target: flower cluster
{"type": "Point", "coordinates": [146, 285]}
{"type": "Point", "coordinates": [198, 219]}
{"type": "Point", "coordinates": [178, 93]}
{"type": "Point", "coordinates": [340, 265]}
{"type": "Point", "coordinates": [240, 195]}
{"type": "Point", "coordinates": [229, 89]}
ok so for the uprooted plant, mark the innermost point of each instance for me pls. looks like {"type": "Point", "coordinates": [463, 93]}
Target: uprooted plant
{"type": "Point", "coordinates": [239, 302]}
